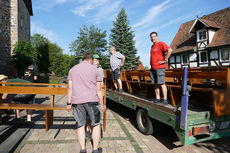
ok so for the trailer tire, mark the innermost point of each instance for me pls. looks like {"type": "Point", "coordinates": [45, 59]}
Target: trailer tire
{"type": "Point", "coordinates": [144, 123]}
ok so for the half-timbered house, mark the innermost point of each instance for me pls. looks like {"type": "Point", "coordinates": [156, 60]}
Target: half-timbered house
{"type": "Point", "coordinates": [203, 42]}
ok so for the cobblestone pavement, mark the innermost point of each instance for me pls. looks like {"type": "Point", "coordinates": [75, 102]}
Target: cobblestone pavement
{"type": "Point", "coordinates": [121, 136]}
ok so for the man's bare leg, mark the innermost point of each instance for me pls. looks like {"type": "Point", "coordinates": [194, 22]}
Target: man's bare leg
{"type": "Point", "coordinates": [157, 91]}
{"type": "Point", "coordinates": [81, 136]}
{"type": "Point", "coordinates": [29, 115]}
{"type": "Point", "coordinates": [120, 83]}
{"type": "Point", "coordinates": [96, 134]}
{"type": "Point", "coordinates": [115, 83]}
{"type": "Point", "coordinates": [164, 91]}
{"type": "Point", "coordinates": [17, 113]}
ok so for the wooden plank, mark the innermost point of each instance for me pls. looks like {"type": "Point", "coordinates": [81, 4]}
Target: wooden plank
{"type": "Point", "coordinates": [35, 84]}
{"type": "Point", "coordinates": [33, 90]}
{"type": "Point", "coordinates": [221, 98]}
{"type": "Point", "coordinates": [32, 106]}
{"type": "Point", "coordinates": [48, 119]}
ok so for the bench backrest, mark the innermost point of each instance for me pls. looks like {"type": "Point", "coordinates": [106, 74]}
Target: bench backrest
{"type": "Point", "coordinates": [210, 86]}
{"type": "Point", "coordinates": [35, 88]}
{"type": "Point", "coordinates": [211, 76]}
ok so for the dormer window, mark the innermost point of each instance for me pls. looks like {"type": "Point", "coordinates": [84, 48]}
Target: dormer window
{"type": "Point", "coordinates": [201, 35]}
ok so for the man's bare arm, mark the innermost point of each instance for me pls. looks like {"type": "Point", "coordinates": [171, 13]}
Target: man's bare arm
{"type": "Point", "coordinates": [169, 52]}
{"type": "Point", "coordinates": [123, 61]}
{"type": "Point", "coordinates": [100, 95]}
{"type": "Point", "coordinates": [69, 95]}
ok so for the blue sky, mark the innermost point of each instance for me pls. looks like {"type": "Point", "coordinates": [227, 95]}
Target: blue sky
{"type": "Point", "coordinates": [61, 20]}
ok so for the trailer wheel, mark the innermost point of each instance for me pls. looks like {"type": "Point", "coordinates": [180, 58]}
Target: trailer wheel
{"type": "Point", "coordinates": [144, 123]}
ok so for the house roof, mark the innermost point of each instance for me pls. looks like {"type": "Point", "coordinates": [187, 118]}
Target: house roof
{"type": "Point", "coordinates": [185, 39]}
{"type": "Point", "coordinates": [28, 4]}
{"type": "Point", "coordinates": [206, 23]}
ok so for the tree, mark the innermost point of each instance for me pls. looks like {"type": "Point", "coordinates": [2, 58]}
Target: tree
{"type": "Point", "coordinates": [57, 63]}
{"type": "Point", "coordinates": [89, 40]}
{"type": "Point", "coordinates": [121, 38]}
{"type": "Point", "coordinates": [24, 55]}
{"type": "Point", "coordinates": [40, 43]}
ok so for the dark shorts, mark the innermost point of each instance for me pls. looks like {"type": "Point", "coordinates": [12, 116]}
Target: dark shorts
{"type": "Point", "coordinates": [24, 99]}
{"type": "Point", "coordinates": [158, 76]}
{"type": "Point", "coordinates": [115, 74]}
{"type": "Point", "coordinates": [81, 113]}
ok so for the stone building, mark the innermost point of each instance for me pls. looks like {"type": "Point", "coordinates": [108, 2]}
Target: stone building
{"type": "Point", "coordinates": [203, 42]}
{"type": "Point", "coordinates": [14, 26]}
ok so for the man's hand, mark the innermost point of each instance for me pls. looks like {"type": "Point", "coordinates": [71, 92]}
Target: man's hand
{"type": "Point", "coordinates": [122, 64]}
{"type": "Point", "coordinates": [103, 108]}
{"type": "Point", "coordinates": [68, 108]}
{"type": "Point", "coordinates": [162, 62]}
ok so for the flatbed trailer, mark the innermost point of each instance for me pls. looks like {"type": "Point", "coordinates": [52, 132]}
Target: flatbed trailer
{"type": "Point", "coordinates": [192, 123]}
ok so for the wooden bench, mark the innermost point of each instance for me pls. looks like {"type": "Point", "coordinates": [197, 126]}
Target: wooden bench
{"type": "Point", "coordinates": [37, 89]}
{"type": "Point", "coordinates": [209, 86]}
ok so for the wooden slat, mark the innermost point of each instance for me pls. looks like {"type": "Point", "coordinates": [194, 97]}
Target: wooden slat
{"type": "Point", "coordinates": [33, 90]}
{"type": "Point", "coordinates": [32, 106]}
{"type": "Point", "coordinates": [35, 84]}
{"type": "Point", "coordinates": [208, 75]}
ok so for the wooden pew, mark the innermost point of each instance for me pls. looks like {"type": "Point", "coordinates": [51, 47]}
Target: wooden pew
{"type": "Point", "coordinates": [35, 88]}
{"type": "Point", "coordinates": [210, 87]}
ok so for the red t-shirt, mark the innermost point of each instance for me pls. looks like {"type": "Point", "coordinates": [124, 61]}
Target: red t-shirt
{"type": "Point", "coordinates": [157, 54]}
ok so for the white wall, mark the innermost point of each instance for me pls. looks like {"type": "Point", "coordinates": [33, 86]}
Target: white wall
{"type": "Point", "coordinates": [193, 64]}
{"type": "Point", "coordinates": [211, 34]}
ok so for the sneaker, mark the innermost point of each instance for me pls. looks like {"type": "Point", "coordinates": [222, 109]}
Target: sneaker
{"type": "Point", "coordinates": [116, 90]}
{"type": "Point", "coordinates": [83, 151]}
{"type": "Point", "coordinates": [156, 100]}
{"type": "Point", "coordinates": [121, 90]}
{"type": "Point", "coordinates": [164, 101]}
{"type": "Point", "coordinates": [99, 150]}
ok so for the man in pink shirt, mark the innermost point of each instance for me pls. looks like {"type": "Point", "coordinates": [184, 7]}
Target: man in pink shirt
{"type": "Point", "coordinates": [84, 95]}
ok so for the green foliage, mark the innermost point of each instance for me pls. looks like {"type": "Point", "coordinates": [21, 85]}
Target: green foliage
{"type": "Point", "coordinates": [60, 63]}
{"type": "Point", "coordinates": [51, 57]}
{"type": "Point", "coordinates": [24, 55]}
{"type": "Point", "coordinates": [121, 38]}
{"type": "Point", "coordinates": [41, 44]}
{"type": "Point", "coordinates": [89, 40]}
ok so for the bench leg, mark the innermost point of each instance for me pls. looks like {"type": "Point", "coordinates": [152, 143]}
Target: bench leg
{"type": "Point", "coordinates": [49, 118]}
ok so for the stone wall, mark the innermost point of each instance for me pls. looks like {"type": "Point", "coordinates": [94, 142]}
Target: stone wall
{"type": "Point", "coordinates": [5, 38]}
{"type": "Point", "coordinates": [14, 26]}
{"type": "Point", "coordinates": [23, 21]}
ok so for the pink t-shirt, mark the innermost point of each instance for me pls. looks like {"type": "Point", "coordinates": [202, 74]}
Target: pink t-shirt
{"type": "Point", "coordinates": [84, 78]}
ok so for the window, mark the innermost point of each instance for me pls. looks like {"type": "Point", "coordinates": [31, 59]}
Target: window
{"type": "Point", "coordinates": [185, 59]}
{"type": "Point", "coordinates": [203, 57]}
{"type": "Point", "coordinates": [172, 59]}
{"type": "Point", "coordinates": [214, 55]}
{"type": "Point", "coordinates": [201, 35]}
{"type": "Point", "coordinates": [178, 59]}
{"type": "Point", "coordinates": [192, 57]}
{"type": "Point", "coordinates": [225, 54]}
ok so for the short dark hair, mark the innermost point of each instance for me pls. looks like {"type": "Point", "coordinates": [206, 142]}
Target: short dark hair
{"type": "Point", "coordinates": [88, 56]}
{"type": "Point", "coordinates": [153, 33]}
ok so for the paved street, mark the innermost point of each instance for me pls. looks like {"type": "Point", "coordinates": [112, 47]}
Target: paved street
{"type": "Point", "coordinates": [121, 136]}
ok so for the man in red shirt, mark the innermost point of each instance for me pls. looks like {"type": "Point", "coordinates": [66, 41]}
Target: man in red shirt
{"type": "Point", "coordinates": [159, 55]}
